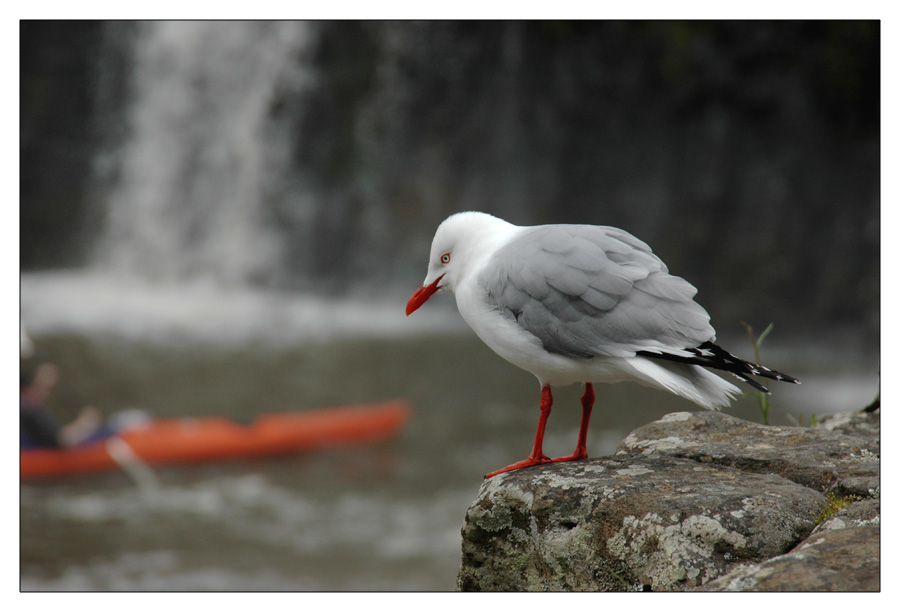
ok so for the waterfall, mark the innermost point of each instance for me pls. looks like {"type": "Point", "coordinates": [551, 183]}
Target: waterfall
{"type": "Point", "coordinates": [208, 217]}
{"type": "Point", "coordinates": [202, 157]}
{"type": "Point", "coordinates": [231, 207]}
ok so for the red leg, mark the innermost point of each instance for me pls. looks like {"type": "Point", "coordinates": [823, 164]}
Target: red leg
{"type": "Point", "coordinates": [537, 456]}
{"type": "Point", "coordinates": [587, 404]}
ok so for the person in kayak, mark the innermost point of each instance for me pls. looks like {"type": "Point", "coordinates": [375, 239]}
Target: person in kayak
{"type": "Point", "coordinates": [39, 429]}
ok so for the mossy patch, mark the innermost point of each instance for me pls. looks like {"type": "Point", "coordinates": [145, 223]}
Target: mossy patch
{"type": "Point", "coordinates": [834, 503]}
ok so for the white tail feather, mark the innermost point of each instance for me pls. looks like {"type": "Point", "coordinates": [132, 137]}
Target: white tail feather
{"type": "Point", "coordinates": [688, 381]}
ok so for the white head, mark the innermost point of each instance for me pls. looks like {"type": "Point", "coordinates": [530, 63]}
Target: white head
{"type": "Point", "coordinates": [460, 245]}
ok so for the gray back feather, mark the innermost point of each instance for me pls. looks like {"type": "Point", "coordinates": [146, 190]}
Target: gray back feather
{"type": "Point", "coordinates": [588, 290]}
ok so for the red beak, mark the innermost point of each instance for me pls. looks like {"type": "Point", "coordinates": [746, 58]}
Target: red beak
{"type": "Point", "coordinates": [421, 295]}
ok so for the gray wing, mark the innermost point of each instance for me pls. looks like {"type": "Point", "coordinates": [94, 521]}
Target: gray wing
{"type": "Point", "coordinates": [588, 290]}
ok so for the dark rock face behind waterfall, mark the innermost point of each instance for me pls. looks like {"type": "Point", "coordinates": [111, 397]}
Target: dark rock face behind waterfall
{"type": "Point", "coordinates": [309, 154]}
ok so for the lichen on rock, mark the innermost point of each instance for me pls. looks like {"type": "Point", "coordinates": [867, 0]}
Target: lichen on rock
{"type": "Point", "coordinates": [685, 503]}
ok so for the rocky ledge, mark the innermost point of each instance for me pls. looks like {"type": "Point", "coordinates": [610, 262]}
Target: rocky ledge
{"type": "Point", "coordinates": [693, 501]}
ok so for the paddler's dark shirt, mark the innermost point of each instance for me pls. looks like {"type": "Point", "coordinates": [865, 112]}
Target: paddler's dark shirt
{"type": "Point", "coordinates": [37, 427]}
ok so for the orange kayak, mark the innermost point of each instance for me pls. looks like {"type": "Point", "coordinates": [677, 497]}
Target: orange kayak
{"type": "Point", "coordinates": [194, 440]}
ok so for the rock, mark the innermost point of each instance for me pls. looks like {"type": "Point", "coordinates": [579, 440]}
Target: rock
{"type": "Point", "coordinates": [694, 501]}
{"type": "Point", "coordinates": [832, 560]}
{"type": "Point", "coordinates": [865, 425]}
{"type": "Point", "coordinates": [842, 554]}
{"type": "Point", "coordinates": [628, 523]}
{"type": "Point", "coordinates": [866, 513]}
{"type": "Point", "coordinates": [818, 458]}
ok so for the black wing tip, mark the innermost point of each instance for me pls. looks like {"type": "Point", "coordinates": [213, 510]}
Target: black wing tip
{"type": "Point", "coordinates": [713, 356]}
{"type": "Point", "coordinates": [759, 370]}
{"type": "Point", "coordinates": [745, 367]}
{"type": "Point", "coordinates": [759, 387]}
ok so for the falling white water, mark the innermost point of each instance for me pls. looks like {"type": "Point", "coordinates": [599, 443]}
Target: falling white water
{"type": "Point", "coordinates": [190, 200]}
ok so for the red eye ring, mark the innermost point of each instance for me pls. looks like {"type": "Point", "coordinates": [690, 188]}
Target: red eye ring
{"type": "Point", "coordinates": [445, 258]}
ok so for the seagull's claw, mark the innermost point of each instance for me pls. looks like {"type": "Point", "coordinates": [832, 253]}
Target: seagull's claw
{"type": "Point", "coordinates": [543, 459]}
{"type": "Point", "coordinates": [578, 455]}
{"type": "Point", "coordinates": [518, 465]}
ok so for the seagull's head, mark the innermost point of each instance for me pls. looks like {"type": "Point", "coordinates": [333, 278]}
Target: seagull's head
{"type": "Point", "coordinates": [460, 245]}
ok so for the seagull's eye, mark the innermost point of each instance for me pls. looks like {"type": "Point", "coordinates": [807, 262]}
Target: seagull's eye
{"type": "Point", "coordinates": [445, 258]}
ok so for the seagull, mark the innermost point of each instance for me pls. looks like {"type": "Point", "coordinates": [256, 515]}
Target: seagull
{"type": "Point", "coordinates": [580, 304]}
